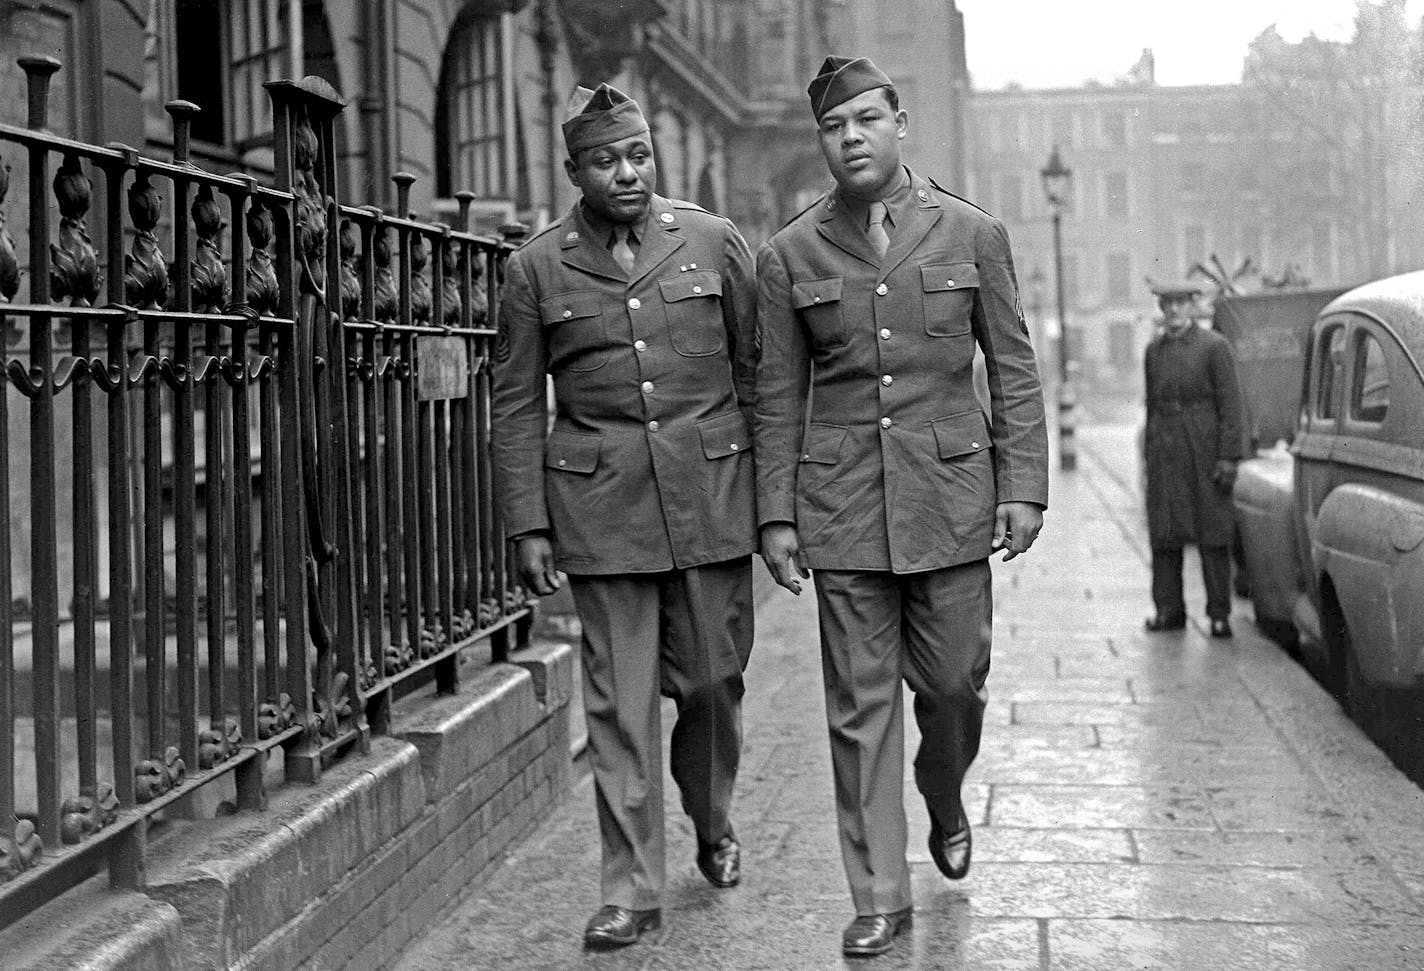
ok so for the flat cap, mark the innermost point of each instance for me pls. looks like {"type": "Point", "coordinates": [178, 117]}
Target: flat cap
{"type": "Point", "coordinates": [842, 78]}
{"type": "Point", "coordinates": [1175, 290]}
{"type": "Point", "coordinates": [600, 116]}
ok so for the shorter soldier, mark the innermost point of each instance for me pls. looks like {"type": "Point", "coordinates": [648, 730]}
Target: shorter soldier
{"type": "Point", "coordinates": [1192, 445]}
{"type": "Point", "coordinates": [641, 308]}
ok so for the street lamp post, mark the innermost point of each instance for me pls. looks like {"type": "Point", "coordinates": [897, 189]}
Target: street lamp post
{"type": "Point", "coordinates": [1057, 178]}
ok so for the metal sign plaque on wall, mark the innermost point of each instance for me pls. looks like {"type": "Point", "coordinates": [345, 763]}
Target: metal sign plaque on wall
{"type": "Point", "coordinates": [444, 367]}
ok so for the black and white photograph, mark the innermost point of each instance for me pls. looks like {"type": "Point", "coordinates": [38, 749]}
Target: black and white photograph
{"type": "Point", "coordinates": [744, 485]}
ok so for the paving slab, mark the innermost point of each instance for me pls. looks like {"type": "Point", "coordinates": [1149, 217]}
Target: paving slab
{"type": "Point", "coordinates": [1140, 801]}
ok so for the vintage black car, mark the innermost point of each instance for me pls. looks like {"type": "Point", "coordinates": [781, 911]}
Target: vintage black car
{"type": "Point", "coordinates": [1332, 526]}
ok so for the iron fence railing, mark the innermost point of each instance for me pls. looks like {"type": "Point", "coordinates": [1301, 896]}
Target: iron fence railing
{"type": "Point", "coordinates": [272, 425]}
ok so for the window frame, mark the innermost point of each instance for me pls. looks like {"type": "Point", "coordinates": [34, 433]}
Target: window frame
{"type": "Point", "coordinates": [1361, 337]}
{"type": "Point", "coordinates": [1327, 364]}
{"type": "Point", "coordinates": [490, 95]}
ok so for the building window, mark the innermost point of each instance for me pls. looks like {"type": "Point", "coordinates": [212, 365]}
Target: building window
{"type": "Point", "coordinates": [1115, 129]}
{"type": "Point", "coordinates": [1115, 204]}
{"type": "Point", "coordinates": [1253, 244]}
{"type": "Point", "coordinates": [253, 46]}
{"type": "Point", "coordinates": [1369, 393]}
{"type": "Point", "coordinates": [1193, 177]}
{"type": "Point", "coordinates": [1060, 130]}
{"type": "Point", "coordinates": [1119, 266]}
{"type": "Point", "coordinates": [258, 31]}
{"type": "Point", "coordinates": [471, 116]}
{"type": "Point", "coordinates": [1011, 196]}
{"type": "Point", "coordinates": [1122, 346]}
{"type": "Point", "coordinates": [774, 68]}
{"type": "Point", "coordinates": [1321, 251]}
{"type": "Point", "coordinates": [1193, 246]}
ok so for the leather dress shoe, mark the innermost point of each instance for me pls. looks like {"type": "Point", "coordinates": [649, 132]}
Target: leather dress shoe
{"type": "Point", "coordinates": [720, 862]}
{"type": "Point", "coordinates": [1221, 627]}
{"type": "Point", "coordinates": [951, 852]}
{"type": "Point", "coordinates": [1161, 622]}
{"type": "Point", "coordinates": [872, 934]}
{"type": "Point", "coordinates": [615, 926]}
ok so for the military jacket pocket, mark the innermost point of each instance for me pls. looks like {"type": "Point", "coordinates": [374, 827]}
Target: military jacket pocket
{"type": "Point", "coordinates": [819, 302]}
{"type": "Point", "coordinates": [567, 451]}
{"type": "Point", "coordinates": [949, 290]}
{"type": "Point", "coordinates": [576, 333]}
{"type": "Point", "coordinates": [724, 435]}
{"type": "Point", "coordinates": [823, 443]}
{"type": "Point", "coordinates": [962, 434]}
{"type": "Point", "coordinates": [693, 304]}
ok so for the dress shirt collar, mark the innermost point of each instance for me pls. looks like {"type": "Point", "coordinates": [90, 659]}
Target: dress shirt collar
{"type": "Point", "coordinates": [600, 230]}
{"type": "Point", "coordinates": [897, 202]}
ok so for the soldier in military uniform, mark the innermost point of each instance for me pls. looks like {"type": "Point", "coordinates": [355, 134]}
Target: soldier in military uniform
{"type": "Point", "coordinates": [878, 469]}
{"type": "Point", "coordinates": [643, 310]}
{"type": "Point", "coordinates": [1191, 447]}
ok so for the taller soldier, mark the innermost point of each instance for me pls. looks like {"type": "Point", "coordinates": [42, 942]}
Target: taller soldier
{"type": "Point", "coordinates": [642, 309]}
{"type": "Point", "coordinates": [878, 469]}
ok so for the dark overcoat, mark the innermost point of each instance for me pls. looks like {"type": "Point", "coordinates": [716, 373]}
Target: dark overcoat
{"type": "Point", "coordinates": [1193, 419]}
{"type": "Point", "coordinates": [870, 437]}
{"type": "Point", "coordinates": [648, 466]}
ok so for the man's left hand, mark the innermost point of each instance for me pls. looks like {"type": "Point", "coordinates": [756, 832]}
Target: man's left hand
{"type": "Point", "coordinates": [1016, 526]}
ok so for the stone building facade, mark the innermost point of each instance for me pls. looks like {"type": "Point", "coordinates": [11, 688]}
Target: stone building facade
{"type": "Point", "coordinates": [1163, 178]}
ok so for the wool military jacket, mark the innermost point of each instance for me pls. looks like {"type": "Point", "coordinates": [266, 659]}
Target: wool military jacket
{"type": "Point", "coordinates": [870, 438]}
{"type": "Point", "coordinates": [648, 464]}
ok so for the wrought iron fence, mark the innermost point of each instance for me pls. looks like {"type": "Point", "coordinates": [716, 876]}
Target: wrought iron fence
{"type": "Point", "coordinates": [274, 429]}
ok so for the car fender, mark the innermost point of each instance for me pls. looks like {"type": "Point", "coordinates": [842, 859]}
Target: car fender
{"type": "Point", "coordinates": [1264, 502]}
{"type": "Point", "coordinates": [1370, 544]}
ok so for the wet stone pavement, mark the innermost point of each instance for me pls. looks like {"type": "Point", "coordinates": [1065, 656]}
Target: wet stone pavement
{"type": "Point", "coordinates": [1140, 801]}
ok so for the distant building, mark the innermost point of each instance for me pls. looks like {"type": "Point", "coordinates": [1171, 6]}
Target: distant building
{"type": "Point", "coordinates": [1163, 177]}
{"type": "Point", "coordinates": [920, 45]}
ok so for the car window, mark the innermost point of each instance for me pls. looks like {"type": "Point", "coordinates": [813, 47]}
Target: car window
{"type": "Point", "coordinates": [1329, 362]}
{"type": "Point", "coordinates": [1369, 384]}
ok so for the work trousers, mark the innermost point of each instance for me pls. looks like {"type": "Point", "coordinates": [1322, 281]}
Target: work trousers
{"type": "Point", "coordinates": [686, 634]}
{"type": "Point", "coordinates": [932, 630]}
{"type": "Point", "coordinates": [1167, 581]}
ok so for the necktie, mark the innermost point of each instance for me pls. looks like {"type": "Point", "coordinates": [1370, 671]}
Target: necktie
{"type": "Point", "coordinates": [876, 230]}
{"type": "Point", "coordinates": [622, 250]}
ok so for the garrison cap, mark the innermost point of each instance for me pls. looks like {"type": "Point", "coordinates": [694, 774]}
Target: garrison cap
{"type": "Point", "coordinates": [842, 78]}
{"type": "Point", "coordinates": [601, 116]}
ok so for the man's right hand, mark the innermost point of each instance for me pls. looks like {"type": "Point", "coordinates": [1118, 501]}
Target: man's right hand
{"type": "Point", "coordinates": [536, 564]}
{"type": "Point", "coordinates": [781, 551]}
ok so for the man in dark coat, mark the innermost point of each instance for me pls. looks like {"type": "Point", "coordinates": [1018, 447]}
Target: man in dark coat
{"type": "Point", "coordinates": [1192, 445]}
{"type": "Point", "coordinates": [643, 310]}
{"type": "Point", "coordinates": [878, 468]}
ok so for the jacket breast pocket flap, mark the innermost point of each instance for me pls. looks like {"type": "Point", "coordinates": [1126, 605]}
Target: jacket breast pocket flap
{"type": "Point", "coordinates": [572, 452]}
{"type": "Point", "coordinates": [961, 434]}
{"type": "Point", "coordinates": [577, 305]}
{"type": "Point", "coordinates": [823, 444]}
{"type": "Point", "coordinates": [938, 277]}
{"type": "Point", "coordinates": [813, 293]}
{"type": "Point", "coordinates": [949, 297]}
{"type": "Point", "coordinates": [694, 283]}
{"type": "Point", "coordinates": [724, 435]}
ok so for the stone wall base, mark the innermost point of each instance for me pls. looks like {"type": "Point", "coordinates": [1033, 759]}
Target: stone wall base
{"type": "Point", "coordinates": [344, 873]}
